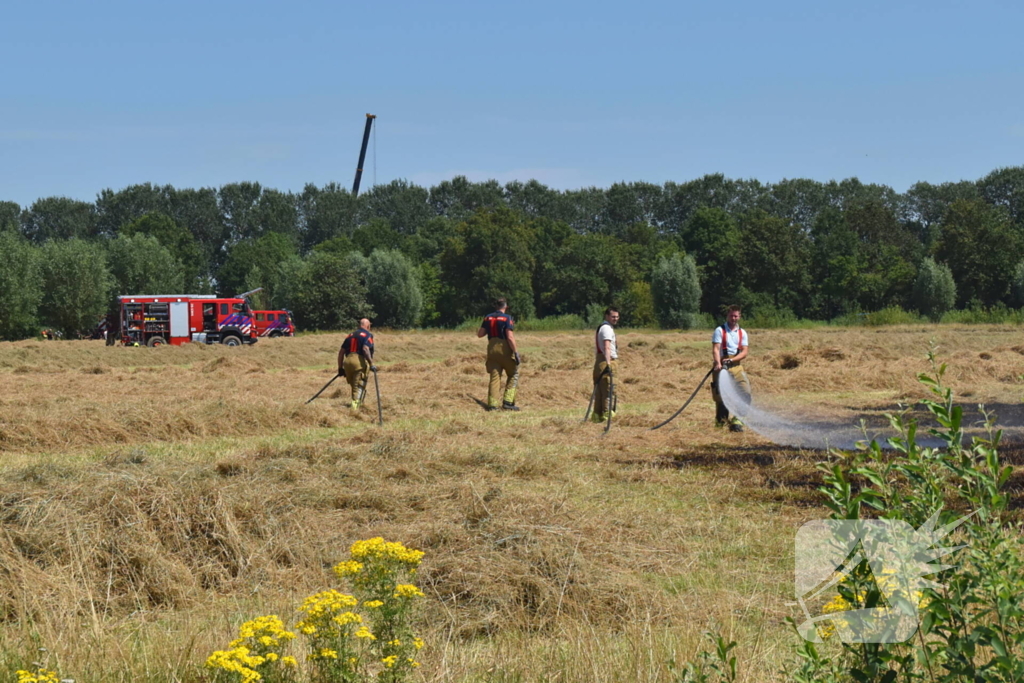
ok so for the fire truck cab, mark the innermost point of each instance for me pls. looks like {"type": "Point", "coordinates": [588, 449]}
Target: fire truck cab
{"type": "Point", "coordinates": [274, 323]}
{"type": "Point", "coordinates": [152, 320]}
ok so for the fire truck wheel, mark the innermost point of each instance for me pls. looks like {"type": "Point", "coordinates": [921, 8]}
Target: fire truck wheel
{"type": "Point", "coordinates": [156, 341]}
{"type": "Point", "coordinates": [231, 340]}
{"type": "Point", "coordinates": [275, 333]}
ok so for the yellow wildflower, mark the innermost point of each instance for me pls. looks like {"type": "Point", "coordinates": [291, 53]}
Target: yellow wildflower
{"type": "Point", "coordinates": [364, 632]}
{"type": "Point", "coordinates": [40, 676]}
{"type": "Point", "coordinates": [407, 590]}
{"type": "Point", "coordinates": [418, 642]}
{"type": "Point", "coordinates": [373, 604]}
{"type": "Point", "coordinates": [379, 549]}
{"type": "Point", "coordinates": [389, 661]}
{"type": "Point", "coordinates": [347, 618]}
{"type": "Point", "coordinates": [347, 568]}
{"type": "Point", "coordinates": [289, 661]}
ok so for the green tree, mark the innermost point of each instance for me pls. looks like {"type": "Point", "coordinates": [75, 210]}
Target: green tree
{"type": "Point", "coordinates": [264, 253]}
{"type": "Point", "coordinates": [1017, 285]}
{"type": "Point", "coordinates": [712, 238]}
{"type": "Point", "coordinates": [675, 288]}
{"type": "Point", "coordinates": [237, 203]}
{"type": "Point", "coordinates": [773, 260]}
{"type": "Point", "coordinates": [141, 265]}
{"type": "Point", "coordinates": [376, 234]}
{"type": "Point", "coordinates": [197, 211]}
{"type": "Point", "coordinates": [586, 269]}
{"type": "Point", "coordinates": [637, 305]}
{"type": "Point", "coordinates": [886, 252]}
{"type": "Point", "coordinates": [429, 278]}
{"type": "Point", "coordinates": [458, 198]}
{"type": "Point", "coordinates": [489, 257]}
{"type": "Point", "coordinates": [115, 209]}
{"type": "Point", "coordinates": [329, 294]}
{"type": "Point", "coordinates": [326, 213]}
{"type": "Point", "coordinates": [76, 284]}
{"type": "Point", "coordinates": [392, 288]}
{"type": "Point", "coordinates": [58, 218]}
{"type": "Point", "coordinates": [20, 288]}
{"type": "Point", "coordinates": [9, 213]}
{"type": "Point", "coordinates": [178, 241]}
{"type": "Point", "coordinates": [981, 248]}
{"type": "Point", "coordinates": [934, 289]}
{"type": "Point", "coordinates": [403, 205]}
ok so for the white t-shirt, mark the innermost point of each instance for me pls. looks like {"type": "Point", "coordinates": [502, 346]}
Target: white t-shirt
{"type": "Point", "coordinates": [732, 339]}
{"type": "Point", "coordinates": [606, 333]}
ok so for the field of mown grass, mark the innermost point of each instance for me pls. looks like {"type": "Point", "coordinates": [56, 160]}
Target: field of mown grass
{"type": "Point", "coordinates": [152, 499]}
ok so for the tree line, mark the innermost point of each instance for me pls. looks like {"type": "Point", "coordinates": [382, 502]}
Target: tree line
{"type": "Point", "coordinates": [410, 255]}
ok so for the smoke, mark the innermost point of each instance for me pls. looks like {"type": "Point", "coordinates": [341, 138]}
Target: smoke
{"type": "Point", "coordinates": [803, 433]}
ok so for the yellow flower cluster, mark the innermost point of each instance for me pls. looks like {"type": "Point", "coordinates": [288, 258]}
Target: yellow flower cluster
{"type": "Point", "coordinates": [40, 676]}
{"type": "Point", "coordinates": [326, 612]}
{"type": "Point", "coordinates": [266, 631]}
{"type": "Point", "coordinates": [348, 568]}
{"type": "Point", "coordinates": [407, 590]}
{"type": "Point", "coordinates": [373, 604]}
{"type": "Point", "coordinates": [236, 660]}
{"type": "Point", "coordinates": [379, 549]}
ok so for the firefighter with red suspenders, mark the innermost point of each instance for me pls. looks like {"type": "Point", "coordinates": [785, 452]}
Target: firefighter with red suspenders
{"type": "Point", "coordinates": [728, 349]}
{"type": "Point", "coordinates": [502, 356]}
{"type": "Point", "coordinates": [605, 363]}
{"type": "Point", "coordinates": [355, 360]}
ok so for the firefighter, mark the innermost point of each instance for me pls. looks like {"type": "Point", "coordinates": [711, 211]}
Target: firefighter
{"type": "Point", "coordinates": [355, 360]}
{"type": "Point", "coordinates": [605, 363]}
{"type": "Point", "coordinates": [502, 355]}
{"type": "Point", "coordinates": [728, 349]}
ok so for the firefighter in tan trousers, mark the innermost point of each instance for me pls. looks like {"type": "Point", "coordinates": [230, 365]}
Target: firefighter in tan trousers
{"type": "Point", "coordinates": [502, 356]}
{"type": "Point", "coordinates": [355, 361]}
{"type": "Point", "coordinates": [729, 344]}
{"type": "Point", "coordinates": [605, 364]}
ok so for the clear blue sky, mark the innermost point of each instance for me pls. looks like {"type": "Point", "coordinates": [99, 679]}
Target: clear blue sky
{"type": "Point", "coordinates": [107, 94]}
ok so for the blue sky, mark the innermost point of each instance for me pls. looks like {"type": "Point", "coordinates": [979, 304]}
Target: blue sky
{"type": "Point", "coordinates": [108, 94]}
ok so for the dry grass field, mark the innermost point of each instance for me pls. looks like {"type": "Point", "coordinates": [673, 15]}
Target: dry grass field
{"type": "Point", "coordinates": [152, 499]}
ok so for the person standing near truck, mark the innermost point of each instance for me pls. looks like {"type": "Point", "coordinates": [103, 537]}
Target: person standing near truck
{"type": "Point", "coordinates": [355, 361]}
{"type": "Point", "coordinates": [502, 356]}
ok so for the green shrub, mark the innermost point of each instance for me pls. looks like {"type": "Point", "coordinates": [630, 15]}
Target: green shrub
{"type": "Point", "coordinates": [971, 624]}
{"type": "Point", "coordinates": [553, 322]}
{"type": "Point", "coordinates": [934, 289]}
{"type": "Point", "coordinates": [675, 291]}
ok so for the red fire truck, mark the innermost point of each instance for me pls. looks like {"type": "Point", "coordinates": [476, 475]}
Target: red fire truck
{"type": "Point", "coordinates": [274, 323]}
{"type": "Point", "coordinates": [153, 320]}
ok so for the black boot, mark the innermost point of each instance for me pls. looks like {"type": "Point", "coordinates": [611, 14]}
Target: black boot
{"type": "Point", "coordinates": [509, 406]}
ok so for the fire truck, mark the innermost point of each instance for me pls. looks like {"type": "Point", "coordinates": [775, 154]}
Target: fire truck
{"type": "Point", "coordinates": [153, 320]}
{"type": "Point", "coordinates": [274, 323]}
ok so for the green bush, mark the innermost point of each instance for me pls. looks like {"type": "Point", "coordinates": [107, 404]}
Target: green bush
{"type": "Point", "coordinates": [553, 322]}
{"type": "Point", "coordinates": [934, 289]}
{"type": "Point", "coordinates": [971, 624]}
{"type": "Point", "coordinates": [392, 288]}
{"type": "Point", "coordinates": [976, 315]}
{"type": "Point", "coordinates": [675, 290]}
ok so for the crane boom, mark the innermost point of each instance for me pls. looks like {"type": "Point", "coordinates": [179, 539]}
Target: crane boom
{"type": "Point", "coordinates": [362, 154]}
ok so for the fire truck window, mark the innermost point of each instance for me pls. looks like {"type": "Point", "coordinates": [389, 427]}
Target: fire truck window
{"type": "Point", "coordinates": [223, 309]}
{"type": "Point", "coordinates": [271, 317]}
{"type": "Point", "coordinates": [259, 317]}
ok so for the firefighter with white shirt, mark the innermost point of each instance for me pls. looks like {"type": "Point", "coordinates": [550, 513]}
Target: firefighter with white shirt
{"type": "Point", "coordinates": [729, 344]}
